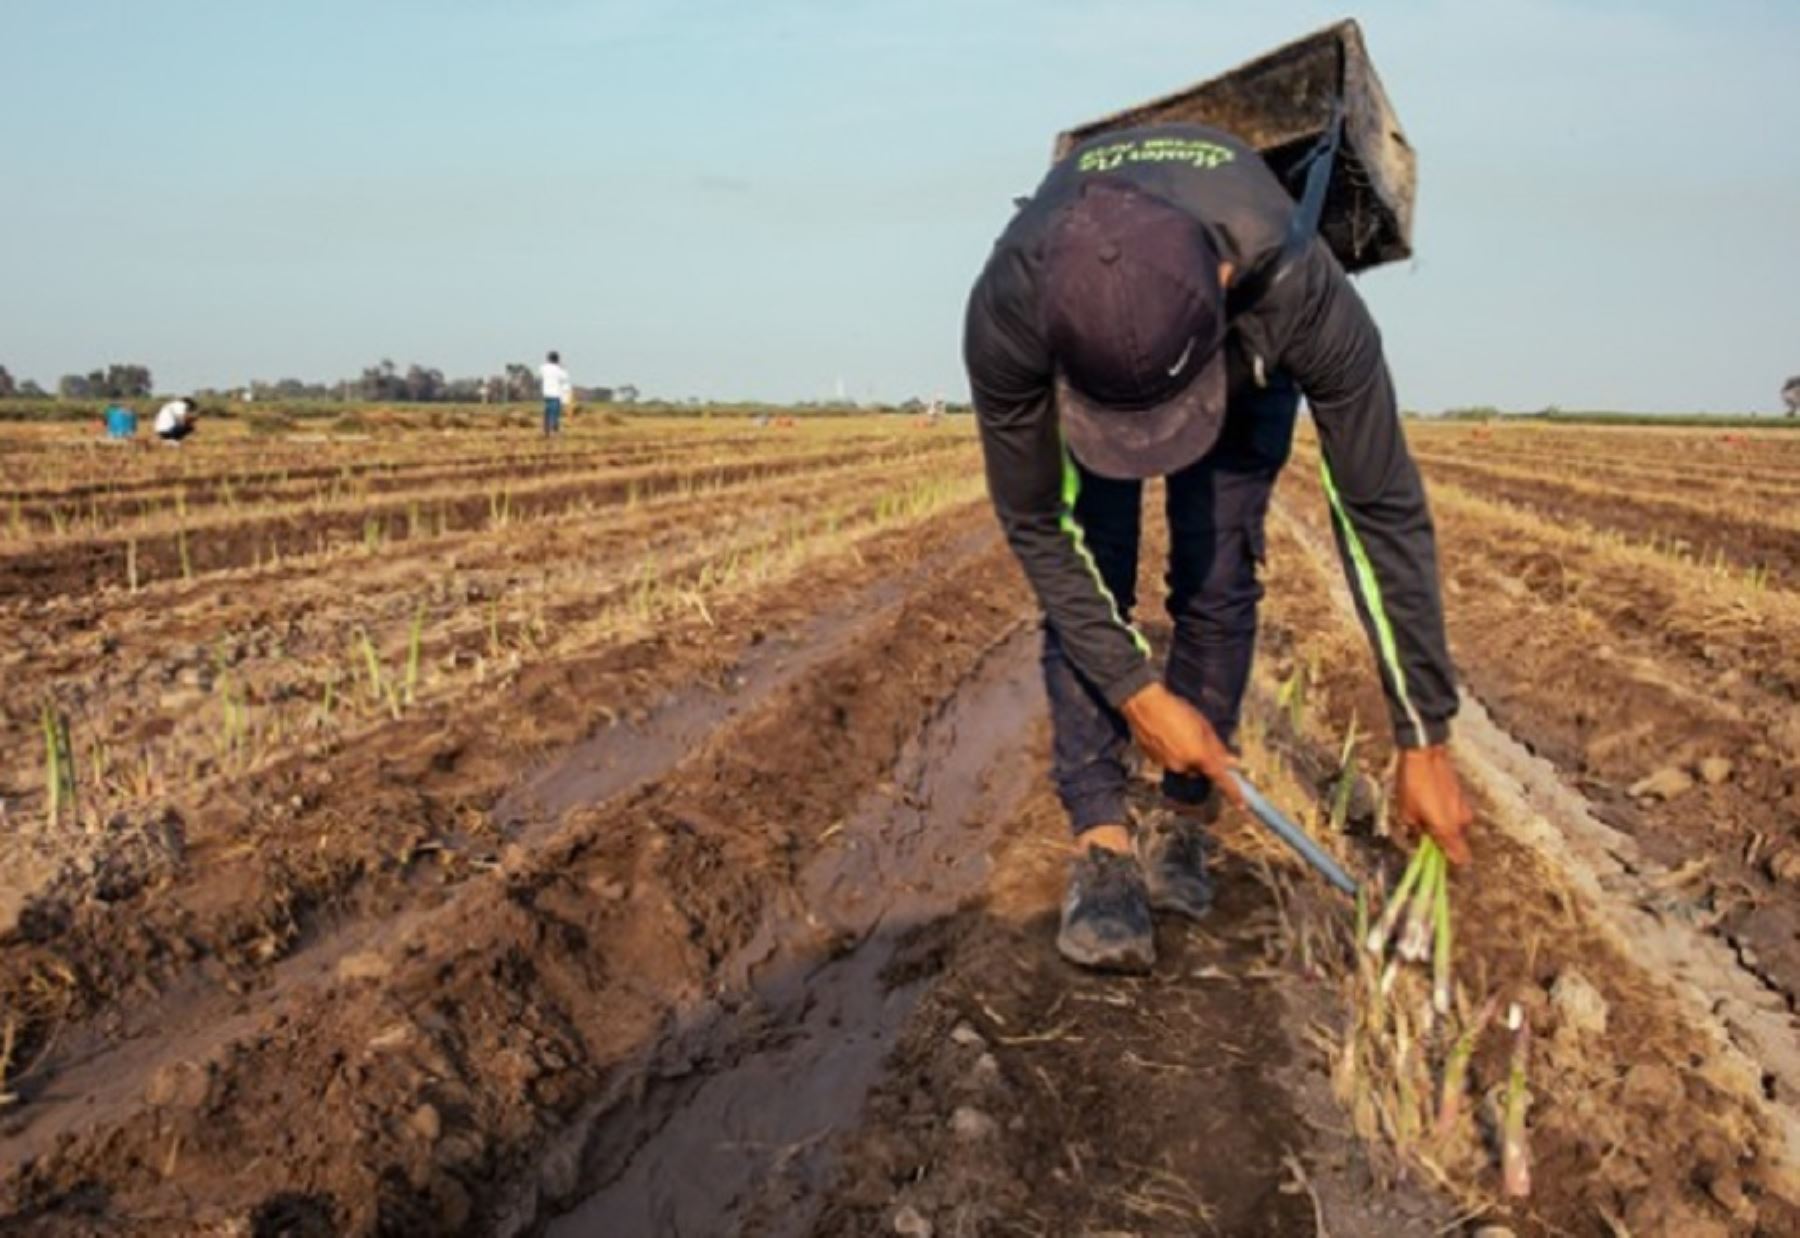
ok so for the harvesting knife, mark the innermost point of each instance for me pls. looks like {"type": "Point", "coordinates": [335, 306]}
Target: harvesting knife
{"type": "Point", "coordinates": [1294, 837]}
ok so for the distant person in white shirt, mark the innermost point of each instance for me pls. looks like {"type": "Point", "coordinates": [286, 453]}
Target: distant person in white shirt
{"type": "Point", "coordinates": [175, 420]}
{"type": "Point", "coordinates": [557, 391]}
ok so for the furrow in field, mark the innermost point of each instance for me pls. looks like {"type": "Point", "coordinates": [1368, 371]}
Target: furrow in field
{"type": "Point", "coordinates": [216, 542]}
{"type": "Point", "coordinates": [1725, 531]}
{"type": "Point", "coordinates": [1183, 1102]}
{"type": "Point", "coordinates": [1732, 636]}
{"type": "Point", "coordinates": [1732, 633]}
{"type": "Point", "coordinates": [191, 719]}
{"type": "Point", "coordinates": [1191, 1100]}
{"type": "Point", "coordinates": [248, 485]}
{"type": "Point", "coordinates": [114, 622]}
{"type": "Point", "coordinates": [1660, 1120]}
{"type": "Point", "coordinates": [635, 932]}
{"type": "Point", "coordinates": [1665, 475]}
{"type": "Point", "coordinates": [1706, 496]}
{"type": "Point", "coordinates": [1668, 693]}
{"type": "Point", "coordinates": [338, 495]}
{"type": "Point", "coordinates": [75, 470]}
{"type": "Point", "coordinates": [140, 673]}
{"type": "Point", "coordinates": [80, 468]}
{"type": "Point", "coordinates": [1775, 452]}
{"type": "Point", "coordinates": [222, 884]}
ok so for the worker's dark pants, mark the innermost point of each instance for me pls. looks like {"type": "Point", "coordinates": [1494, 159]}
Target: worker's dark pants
{"type": "Point", "coordinates": [1216, 508]}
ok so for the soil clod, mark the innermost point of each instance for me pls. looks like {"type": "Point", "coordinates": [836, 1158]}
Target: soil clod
{"type": "Point", "coordinates": [1665, 784]}
{"type": "Point", "coordinates": [1579, 1007]}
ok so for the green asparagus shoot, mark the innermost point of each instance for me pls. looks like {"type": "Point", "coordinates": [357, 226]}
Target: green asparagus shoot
{"type": "Point", "coordinates": [1377, 941]}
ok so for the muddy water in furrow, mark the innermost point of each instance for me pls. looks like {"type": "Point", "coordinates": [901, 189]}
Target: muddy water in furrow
{"type": "Point", "coordinates": [742, 1101]}
{"type": "Point", "coordinates": [104, 1067]}
{"type": "Point", "coordinates": [616, 758]}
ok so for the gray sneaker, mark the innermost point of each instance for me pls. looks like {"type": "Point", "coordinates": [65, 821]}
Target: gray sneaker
{"type": "Point", "coordinates": [1172, 849]}
{"type": "Point", "coordinates": [1106, 914]}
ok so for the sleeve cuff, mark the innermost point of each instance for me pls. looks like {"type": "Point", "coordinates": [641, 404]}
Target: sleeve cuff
{"type": "Point", "coordinates": [1437, 731]}
{"type": "Point", "coordinates": [1121, 690]}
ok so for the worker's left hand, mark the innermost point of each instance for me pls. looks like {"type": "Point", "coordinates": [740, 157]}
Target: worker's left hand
{"type": "Point", "coordinates": [1429, 797]}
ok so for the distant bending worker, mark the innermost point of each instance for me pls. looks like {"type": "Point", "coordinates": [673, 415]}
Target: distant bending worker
{"type": "Point", "coordinates": [557, 391]}
{"type": "Point", "coordinates": [1128, 325]}
{"type": "Point", "coordinates": [175, 420]}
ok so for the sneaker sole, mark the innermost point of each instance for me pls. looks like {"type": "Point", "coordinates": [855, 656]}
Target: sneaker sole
{"type": "Point", "coordinates": [1125, 959]}
{"type": "Point", "coordinates": [1178, 907]}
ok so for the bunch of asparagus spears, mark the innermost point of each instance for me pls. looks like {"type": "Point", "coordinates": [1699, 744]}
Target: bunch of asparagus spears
{"type": "Point", "coordinates": [1415, 922]}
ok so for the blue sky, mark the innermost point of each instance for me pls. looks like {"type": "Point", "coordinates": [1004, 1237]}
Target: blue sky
{"type": "Point", "coordinates": [758, 199]}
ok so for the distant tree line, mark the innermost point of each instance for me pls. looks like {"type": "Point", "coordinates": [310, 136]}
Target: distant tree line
{"type": "Point", "coordinates": [114, 382]}
{"type": "Point", "coordinates": [383, 382]}
{"type": "Point", "coordinates": [19, 389]}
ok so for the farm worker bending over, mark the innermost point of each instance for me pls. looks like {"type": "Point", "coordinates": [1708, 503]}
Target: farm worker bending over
{"type": "Point", "coordinates": [557, 391]}
{"type": "Point", "coordinates": [1128, 325]}
{"type": "Point", "coordinates": [175, 420]}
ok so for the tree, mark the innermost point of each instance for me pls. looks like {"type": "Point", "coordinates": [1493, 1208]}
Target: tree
{"type": "Point", "coordinates": [1790, 395]}
{"type": "Point", "coordinates": [627, 394]}
{"type": "Point", "coordinates": [379, 382]}
{"type": "Point", "coordinates": [423, 385]}
{"type": "Point", "coordinates": [127, 381]}
{"type": "Point", "coordinates": [286, 389]}
{"type": "Point", "coordinates": [29, 390]}
{"type": "Point", "coordinates": [521, 383]}
{"type": "Point", "coordinates": [7, 387]}
{"type": "Point", "coordinates": [115, 382]}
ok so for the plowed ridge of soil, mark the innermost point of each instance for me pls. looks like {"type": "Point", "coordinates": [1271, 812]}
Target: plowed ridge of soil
{"type": "Point", "coordinates": [1767, 540]}
{"type": "Point", "coordinates": [645, 975]}
{"type": "Point", "coordinates": [669, 885]}
{"type": "Point", "coordinates": [1664, 1128]}
{"type": "Point", "coordinates": [1625, 668]}
{"type": "Point", "coordinates": [692, 1152]}
{"type": "Point", "coordinates": [738, 917]}
{"type": "Point", "coordinates": [108, 1063]}
{"type": "Point", "coordinates": [214, 541]}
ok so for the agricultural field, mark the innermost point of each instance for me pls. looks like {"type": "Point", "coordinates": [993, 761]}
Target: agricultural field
{"type": "Point", "coordinates": [435, 830]}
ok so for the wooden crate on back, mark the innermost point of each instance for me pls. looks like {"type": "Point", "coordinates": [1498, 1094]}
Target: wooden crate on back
{"type": "Point", "coordinates": [1281, 103]}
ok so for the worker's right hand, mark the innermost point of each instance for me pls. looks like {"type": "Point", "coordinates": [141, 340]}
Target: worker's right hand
{"type": "Point", "coordinates": [1179, 738]}
{"type": "Point", "coordinates": [1430, 797]}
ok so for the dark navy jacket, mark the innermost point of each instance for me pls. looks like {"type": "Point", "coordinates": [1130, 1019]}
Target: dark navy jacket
{"type": "Point", "coordinates": [1310, 325]}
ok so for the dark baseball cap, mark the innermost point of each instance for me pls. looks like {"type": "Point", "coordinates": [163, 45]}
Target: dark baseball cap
{"type": "Point", "coordinates": [1136, 319]}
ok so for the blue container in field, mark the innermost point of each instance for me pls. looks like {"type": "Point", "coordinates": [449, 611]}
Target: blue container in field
{"type": "Point", "coordinates": [120, 423]}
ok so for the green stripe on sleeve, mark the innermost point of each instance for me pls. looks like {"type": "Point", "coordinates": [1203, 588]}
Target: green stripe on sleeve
{"type": "Point", "coordinates": [1071, 490]}
{"type": "Point", "coordinates": [1364, 579]}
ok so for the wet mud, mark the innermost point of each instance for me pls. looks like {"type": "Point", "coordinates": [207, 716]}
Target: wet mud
{"type": "Point", "coordinates": [737, 1118]}
{"type": "Point", "coordinates": [747, 928]}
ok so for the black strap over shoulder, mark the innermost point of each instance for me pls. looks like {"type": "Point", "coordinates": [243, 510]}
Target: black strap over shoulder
{"type": "Point", "coordinates": [1303, 225]}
